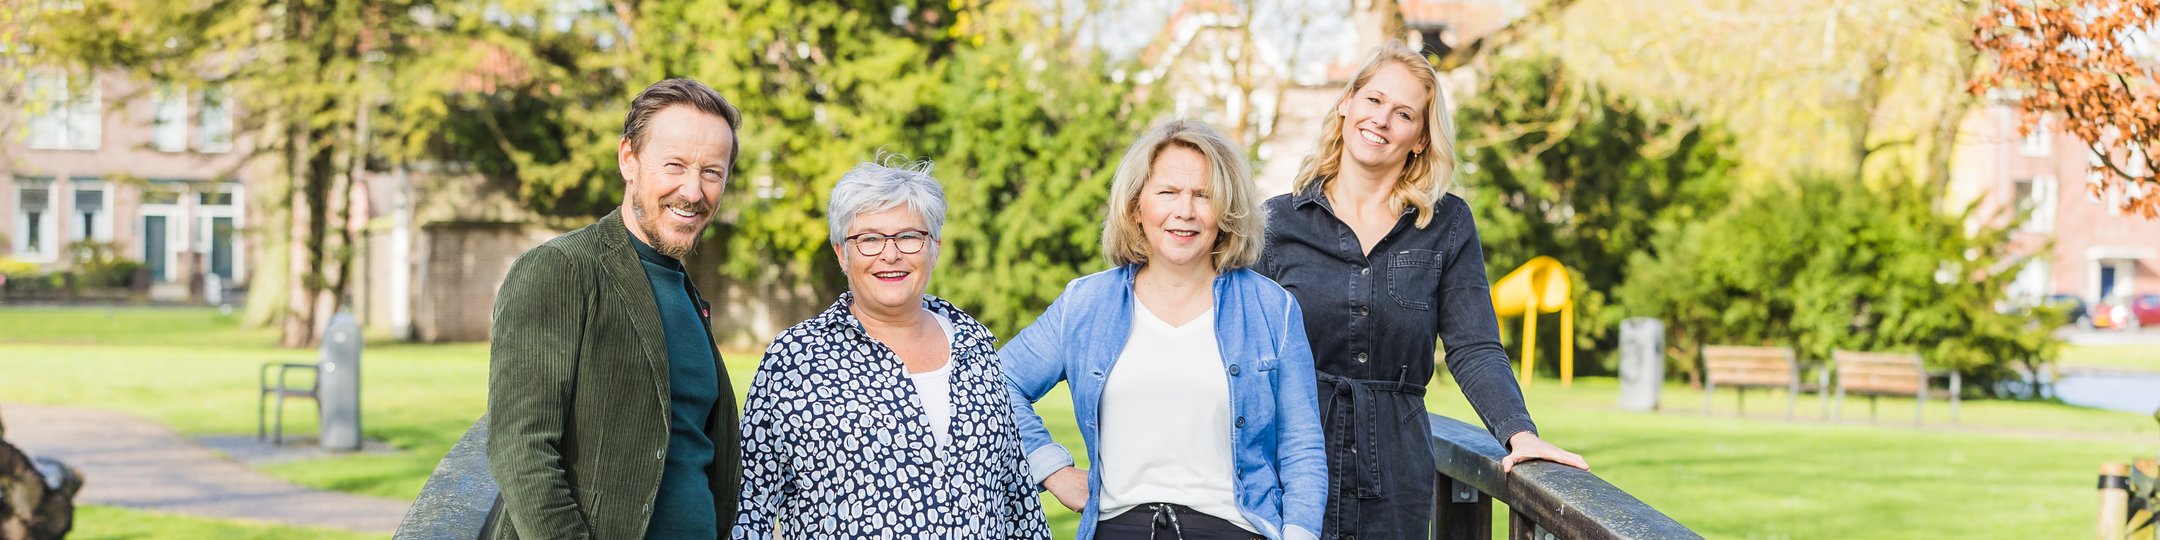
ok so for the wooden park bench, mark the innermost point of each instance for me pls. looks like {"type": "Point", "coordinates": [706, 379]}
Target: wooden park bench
{"type": "Point", "coordinates": [1751, 367]}
{"type": "Point", "coordinates": [1887, 374]}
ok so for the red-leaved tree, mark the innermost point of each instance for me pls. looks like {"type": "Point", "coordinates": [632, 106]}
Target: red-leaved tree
{"type": "Point", "coordinates": [2087, 64]}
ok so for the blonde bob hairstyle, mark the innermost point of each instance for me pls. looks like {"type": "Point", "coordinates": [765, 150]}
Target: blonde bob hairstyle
{"type": "Point", "coordinates": [1241, 224]}
{"type": "Point", "coordinates": [1426, 176]}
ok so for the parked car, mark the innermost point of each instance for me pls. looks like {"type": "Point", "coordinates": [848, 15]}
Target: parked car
{"type": "Point", "coordinates": [2131, 313]}
{"type": "Point", "coordinates": [2073, 308]}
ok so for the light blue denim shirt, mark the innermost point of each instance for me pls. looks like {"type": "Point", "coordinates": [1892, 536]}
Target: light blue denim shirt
{"type": "Point", "coordinates": [1277, 447]}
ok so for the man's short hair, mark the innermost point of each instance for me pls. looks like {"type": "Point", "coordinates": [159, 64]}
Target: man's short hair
{"type": "Point", "coordinates": [681, 91]}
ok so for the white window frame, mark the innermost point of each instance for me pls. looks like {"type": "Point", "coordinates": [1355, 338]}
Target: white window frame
{"type": "Point", "coordinates": [169, 103]}
{"type": "Point", "coordinates": [2040, 201]}
{"type": "Point", "coordinates": [48, 223]}
{"type": "Point", "coordinates": [204, 215]}
{"type": "Point", "coordinates": [62, 116]}
{"type": "Point", "coordinates": [214, 132]}
{"type": "Point", "coordinates": [101, 225]}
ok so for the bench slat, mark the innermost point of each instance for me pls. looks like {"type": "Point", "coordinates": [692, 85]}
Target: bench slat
{"type": "Point", "coordinates": [1749, 366]}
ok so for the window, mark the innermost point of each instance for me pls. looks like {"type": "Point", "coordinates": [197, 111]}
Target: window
{"type": "Point", "coordinates": [2040, 141]}
{"type": "Point", "coordinates": [163, 192]}
{"type": "Point", "coordinates": [35, 240]}
{"type": "Point", "coordinates": [169, 126]}
{"type": "Point", "coordinates": [217, 121]}
{"type": "Point", "coordinates": [215, 197]}
{"type": "Point", "coordinates": [63, 112]}
{"type": "Point", "coordinates": [93, 220]}
{"type": "Point", "coordinates": [2036, 198]}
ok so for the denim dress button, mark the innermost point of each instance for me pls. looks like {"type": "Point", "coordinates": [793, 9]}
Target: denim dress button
{"type": "Point", "coordinates": [1233, 370]}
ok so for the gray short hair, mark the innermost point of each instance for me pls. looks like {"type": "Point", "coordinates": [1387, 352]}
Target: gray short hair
{"type": "Point", "coordinates": [875, 186]}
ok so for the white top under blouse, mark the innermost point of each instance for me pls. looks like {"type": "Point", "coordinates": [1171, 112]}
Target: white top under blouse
{"type": "Point", "coordinates": [935, 387]}
{"type": "Point", "coordinates": [1166, 421]}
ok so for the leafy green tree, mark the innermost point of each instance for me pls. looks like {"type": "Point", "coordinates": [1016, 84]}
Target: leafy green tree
{"type": "Point", "coordinates": [1026, 148]}
{"type": "Point", "coordinates": [1829, 263]}
{"type": "Point", "coordinates": [1024, 138]}
{"type": "Point", "coordinates": [305, 76]}
{"type": "Point", "coordinates": [1562, 167]}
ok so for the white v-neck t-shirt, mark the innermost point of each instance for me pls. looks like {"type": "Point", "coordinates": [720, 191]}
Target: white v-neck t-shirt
{"type": "Point", "coordinates": [1166, 421]}
{"type": "Point", "coordinates": [935, 387]}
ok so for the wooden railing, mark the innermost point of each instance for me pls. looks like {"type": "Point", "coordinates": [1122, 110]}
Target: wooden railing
{"type": "Point", "coordinates": [1546, 501]}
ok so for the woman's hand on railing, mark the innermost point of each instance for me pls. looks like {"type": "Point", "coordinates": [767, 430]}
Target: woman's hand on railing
{"type": "Point", "coordinates": [1070, 486]}
{"type": "Point", "coordinates": [1526, 446]}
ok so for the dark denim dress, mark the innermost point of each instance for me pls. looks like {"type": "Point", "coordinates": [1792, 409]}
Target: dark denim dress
{"type": "Point", "coordinates": [1372, 320]}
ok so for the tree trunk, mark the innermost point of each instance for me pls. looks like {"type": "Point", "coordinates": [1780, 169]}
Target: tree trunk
{"type": "Point", "coordinates": [299, 327]}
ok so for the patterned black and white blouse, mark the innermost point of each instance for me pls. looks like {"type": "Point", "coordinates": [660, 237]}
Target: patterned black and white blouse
{"type": "Point", "coordinates": [835, 443]}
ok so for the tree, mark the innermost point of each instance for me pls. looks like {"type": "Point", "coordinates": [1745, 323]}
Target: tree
{"type": "Point", "coordinates": [306, 73]}
{"type": "Point", "coordinates": [2088, 63]}
{"type": "Point", "coordinates": [1847, 85]}
{"type": "Point", "coordinates": [13, 69]}
{"type": "Point", "coordinates": [1562, 167]}
{"type": "Point", "coordinates": [1830, 262]}
{"type": "Point", "coordinates": [1026, 150]}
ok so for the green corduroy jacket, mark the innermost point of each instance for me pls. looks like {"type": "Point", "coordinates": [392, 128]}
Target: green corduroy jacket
{"type": "Point", "coordinates": [578, 394]}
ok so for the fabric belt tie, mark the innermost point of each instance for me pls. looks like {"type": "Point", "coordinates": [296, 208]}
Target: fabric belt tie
{"type": "Point", "coordinates": [1360, 421]}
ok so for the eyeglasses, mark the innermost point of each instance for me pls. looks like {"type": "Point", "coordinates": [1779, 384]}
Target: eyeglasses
{"type": "Point", "coordinates": [871, 244]}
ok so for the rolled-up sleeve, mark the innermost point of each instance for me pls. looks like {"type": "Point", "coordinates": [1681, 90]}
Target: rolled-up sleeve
{"type": "Point", "coordinates": [1032, 368]}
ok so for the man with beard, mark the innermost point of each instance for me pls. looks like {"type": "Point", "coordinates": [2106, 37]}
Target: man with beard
{"type": "Point", "coordinates": [609, 413]}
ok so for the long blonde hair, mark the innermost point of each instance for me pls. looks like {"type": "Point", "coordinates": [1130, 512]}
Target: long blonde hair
{"type": "Point", "coordinates": [1426, 176]}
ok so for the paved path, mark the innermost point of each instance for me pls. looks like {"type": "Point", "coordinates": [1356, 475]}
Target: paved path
{"type": "Point", "coordinates": [131, 462]}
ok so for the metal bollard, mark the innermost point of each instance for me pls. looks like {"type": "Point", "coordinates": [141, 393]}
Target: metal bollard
{"type": "Point", "coordinates": [339, 386]}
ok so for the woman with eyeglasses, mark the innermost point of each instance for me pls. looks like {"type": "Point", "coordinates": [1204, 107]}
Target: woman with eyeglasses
{"type": "Point", "coordinates": [1189, 372]}
{"type": "Point", "coordinates": [887, 413]}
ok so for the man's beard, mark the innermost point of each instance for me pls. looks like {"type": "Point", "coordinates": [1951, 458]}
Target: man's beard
{"type": "Point", "coordinates": [650, 225]}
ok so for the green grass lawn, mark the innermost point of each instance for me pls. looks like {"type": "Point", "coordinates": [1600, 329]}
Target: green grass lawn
{"type": "Point", "coordinates": [2007, 470]}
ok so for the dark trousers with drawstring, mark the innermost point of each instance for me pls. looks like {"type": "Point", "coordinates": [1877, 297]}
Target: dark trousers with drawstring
{"type": "Point", "coordinates": [1159, 521]}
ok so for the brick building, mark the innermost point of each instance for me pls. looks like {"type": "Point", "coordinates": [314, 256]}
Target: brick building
{"type": "Point", "coordinates": [150, 169]}
{"type": "Point", "coordinates": [2101, 252]}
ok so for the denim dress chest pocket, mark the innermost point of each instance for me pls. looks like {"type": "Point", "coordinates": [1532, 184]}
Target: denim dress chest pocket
{"type": "Point", "coordinates": [1414, 277]}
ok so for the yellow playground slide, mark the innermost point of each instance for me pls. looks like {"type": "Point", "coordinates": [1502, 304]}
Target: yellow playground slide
{"type": "Point", "coordinates": [1539, 286]}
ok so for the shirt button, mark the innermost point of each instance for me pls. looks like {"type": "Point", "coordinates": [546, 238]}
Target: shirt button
{"type": "Point", "coordinates": [647, 509]}
{"type": "Point", "coordinates": [1362, 310]}
{"type": "Point", "coordinates": [1361, 358]}
{"type": "Point", "coordinates": [1241, 421]}
{"type": "Point", "coordinates": [1233, 370]}
{"type": "Point", "coordinates": [1364, 271]}
{"type": "Point", "coordinates": [660, 454]}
